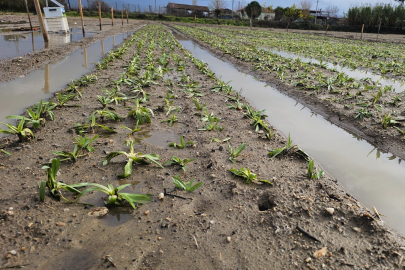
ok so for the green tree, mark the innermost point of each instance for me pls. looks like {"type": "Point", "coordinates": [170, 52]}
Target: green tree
{"type": "Point", "coordinates": [253, 10]}
{"type": "Point", "coordinates": [291, 14]}
{"type": "Point", "coordinates": [279, 13]}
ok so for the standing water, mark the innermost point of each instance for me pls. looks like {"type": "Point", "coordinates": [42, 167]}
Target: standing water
{"type": "Point", "coordinates": [23, 92]}
{"type": "Point", "coordinates": [374, 178]}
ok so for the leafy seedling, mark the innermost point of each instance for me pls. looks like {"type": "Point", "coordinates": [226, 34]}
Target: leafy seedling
{"type": "Point", "coordinates": [5, 152]}
{"type": "Point", "coordinates": [22, 132]}
{"type": "Point", "coordinates": [85, 142]}
{"type": "Point", "coordinates": [178, 161]}
{"type": "Point", "coordinates": [198, 105]}
{"type": "Point", "coordinates": [135, 129]}
{"type": "Point", "coordinates": [212, 124]}
{"type": "Point", "coordinates": [235, 153]}
{"type": "Point", "coordinates": [54, 186]}
{"type": "Point", "coordinates": [313, 173]}
{"type": "Point", "coordinates": [140, 113]}
{"type": "Point", "coordinates": [185, 185]}
{"type": "Point", "coordinates": [115, 197]}
{"type": "Point", "coordinates": [283, 150]}
{"type": "Point", "coordinates": [132, 157]}
{"type": "Point", "coordinates": [248, 175]}
{"type": "Point", "coordinates": [220, 141]}
{"type": "Point", "coordinates": [172, 119]}
{"type": "Point", "coordinates": [182, 144]}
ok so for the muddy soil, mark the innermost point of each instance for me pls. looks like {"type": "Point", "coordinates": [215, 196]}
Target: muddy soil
{"type": "Point", "coordinates": [225, 224]}
{"type": "Point", "coordinates": [20, 66]}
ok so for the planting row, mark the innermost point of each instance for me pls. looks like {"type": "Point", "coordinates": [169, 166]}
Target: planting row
{"type": "Point", "coordinates": [381, 58]}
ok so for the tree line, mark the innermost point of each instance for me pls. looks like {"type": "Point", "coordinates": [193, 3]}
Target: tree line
{"type": "Point", "coordinates": [384, 15]}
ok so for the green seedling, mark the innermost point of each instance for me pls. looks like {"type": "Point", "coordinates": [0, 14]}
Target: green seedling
{"type": "Point", "coordinates": [132, 157]}
{"type": "Point", "coordinates": [197, 104]}
{"type": "Point", "coordinates": [104, 101]}
{"type": "Point", "coordinates": [34, 115]}
{"type": "Point", "coordinates": [361, 113]}
{"type": "Point", "coordinates": [182, 144]}
{"type": "Point", "coordinates": [85, 142]}
{"type": "Point", "coordinates": [235, 153]}
{"type": "Point", "coordinates": [71, 156]}
{"type": "Point", "coordinates": [188, 186]}
{"type": "Point", "coordinates": [5, 152]}
{"type": "Point", "coordinates": [172, 119]}
{"type": "Point", "coordinates": [178, 161]}
{"type": "Point", "coordinates": [135, 129]}
{"type": "Point", "coordinates": [169, 106]}
{"type": "Point", "coordinates": [248, 175]}
{"type": "Point", "coordinates": [115, 197]}
{"type": "Point", "coordinates": [63, 99]}
{"type": "Point", "coordinates": [101, 114]}
{"type": "Point", "coordinates": [54, 186]}
{"type": "Point", "coordinates": [44, 108]}
{"type": "Point", "coordinates": [387, 121]}
{"type": "Point", "coordinates": [313, 173]}
{"type": "Point", "coordinates": [238, 105]}
{"type": "Point", "coordinates": [140, 113]}
{"type": "Point", "coordinates": [220, 141]}
{"type": "Point", "coordinates": [283, 150]}
{"type": "Point", "coordinates": [395, 101]}
{"type": "Point", "coordinates": [212, 123]}
{"type": "Point", "coordinates": [22, 132]}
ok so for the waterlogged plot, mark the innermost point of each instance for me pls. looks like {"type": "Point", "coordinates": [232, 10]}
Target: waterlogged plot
{"type": "Point", "coordinates": [204, 188]}
{"type": "Point", "coordinates": [364, 103]}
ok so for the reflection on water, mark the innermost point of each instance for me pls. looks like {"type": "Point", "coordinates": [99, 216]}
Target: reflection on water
{"type": "Point", "coordinates": [354, 73]}
{"type": "Point", "coordinates": [157, 138]}
{"type": "Point", "coordinates": [23, 92]}
{"type": "Point", "coordinates": [17, 44]}
{"type": "Point", "coordinates": [374, 180]}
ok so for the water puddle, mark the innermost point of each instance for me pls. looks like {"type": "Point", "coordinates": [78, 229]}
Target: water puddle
{"type": "Point", "coordinates": [373, 177]}
{"type": "Point", "coordinates": [157, 138]}
{"type": "Point", "coordinates": [354, 73]}
{"type": "Point", "coordinates": [17, 44]}
{"type": "Point", "coordinates": [23, 92]}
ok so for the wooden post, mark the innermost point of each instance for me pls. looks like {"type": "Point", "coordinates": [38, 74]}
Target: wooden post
{"type": "Point", "coordinates": [195, 19]}
{"type": "Point", "coordinates": [102, 47]}
{"type": "Point", "coordinates": [28, 12]}
{"type": "Point", "coordinates": [288, 24]}
{"type": "Point", "coordinates": [122, 16]}
{"type": "Point", "coordinates": [251, 24]}
{"type": "Point", "coordinates": [362, 28]}
{"type": "Point", "coordinates": [81, 16]}
{"type": "Point", "coordinates": [41, 21]}
{"type": "Point", "coordinates": [127, 15]}
{"type": "Point", "coordinates": [85, 58]}
{"type": "Point", "coordinates": [379, 26]}
{"type": "Point", "coordinates": [99, 13]}
{"type": "Point", "coordinates": [46, 79]}
{"type": "Point", "coordinates": [327, 26]}
{"type": "Point", "coordinates": [112, 16]}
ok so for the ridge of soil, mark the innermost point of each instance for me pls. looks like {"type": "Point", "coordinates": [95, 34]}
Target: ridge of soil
{"type": "Point", "coordinates": [225, 224]}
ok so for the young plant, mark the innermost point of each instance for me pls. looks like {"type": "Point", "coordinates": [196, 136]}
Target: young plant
{"type": "Point", "coordinates": [212, 123]}
{"type": "Point", "coordinates": [220, 141]}
{"type": "Point", "coordinates": [387, 121]}
{"type": "Point", "coordinates": [178, 161]}
{"type": "Point", "coordinates": [135, 129]}
{"type": "Point", "coordinates": [140, 113]}
{"type": "Point", "coordinates": [172, 119]}
{"type": "Point", "coordinates": [85, 142]}
{"type": "Point", "coordinates": [115, 197]}
{"type": "Point", "coordinates": [22, 132]}
{"type": "Point", "coordinates": [248, 175]}
{"type": "Point", "coordinates": [54, 186]}
{"type": "Point", "coordinates": [283, 150]}
{"type": "Point", "coordinates": [197, 104]}
{"type": "Point", "coordinates": [132, 157]}
{"type": "Point", "coordinates": [182, 144]}
{"type": "Point", "coordinates": [5, 152]}
{"type": "Point", "coordinates": [313, 173]}
{"type": "Point", "coordinates": [361, 113]}
{"type": "Point", "coordinates": [63, 99]}
{"type": "Point", "coordinates": [235, 153]}
{"type": "Point", "coordinates": [185, 185]}
{"type": "Point", "coordinates": [101, 114]}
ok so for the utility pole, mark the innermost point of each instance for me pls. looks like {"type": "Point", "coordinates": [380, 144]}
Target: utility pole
{"type": "Point", "coordinates": [316, 12]}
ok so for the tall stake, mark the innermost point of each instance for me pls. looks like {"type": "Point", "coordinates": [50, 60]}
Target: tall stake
{"type": "Point", "coordinates": [379, 26]}
{"type": "Point", "coordinates": [362, 28]}
{"type": "Point", "coordinates": [127, 15]}
{"type": "Point", "coordinates": [122, 16]}
{"type": "Point", "coordinates": [41, 21]}
{"type": "Point", "coordinates": [28, 12]}
{"type": "Point", "coordinates": [81, 16]}
{"type": "Point", "coordinates": [112, 16]}
{"type": "Point", "coordinates": [327, 26]}
{"type": "Point", "coordinates": [99, 13]}
{"type": "Point", "coordinates": [195, 19]}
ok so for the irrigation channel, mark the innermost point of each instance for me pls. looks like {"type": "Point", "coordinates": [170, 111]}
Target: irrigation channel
{"type": "Point", "coordinates": [372, 177]}
{"type": "Point", "coordinates": [399, 86]}
{"type": "Point", "coordinates": [21, 93]}
{"type": "Point", "coordinates": [17, 44]}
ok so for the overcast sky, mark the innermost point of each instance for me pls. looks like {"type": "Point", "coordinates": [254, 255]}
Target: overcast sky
{"type": "Point", "coordinates": [343, 5]}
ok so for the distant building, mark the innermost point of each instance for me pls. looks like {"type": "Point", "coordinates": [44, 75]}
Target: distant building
{"type": "Point", "coordinates": [266, 14]}
{"type": "Point", "coordinates": [226, 13]}
{"type": "Point", "coordinates": [187, 10]}
{"type": "Point", "coordinates": [323, 17]}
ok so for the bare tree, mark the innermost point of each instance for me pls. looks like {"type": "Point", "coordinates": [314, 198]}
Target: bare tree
{"type": "Point", "coordinates": [217, 6]}
{"type": "Point", "coordinates": [332, 11]}
{"type": "Point", "coordinates": [194, 2]}
{"type": "Point", "coordinates": [305, 8]}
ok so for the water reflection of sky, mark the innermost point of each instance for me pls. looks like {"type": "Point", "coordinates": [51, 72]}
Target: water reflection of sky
{"type": "Point", "coordinates": [16, 44]}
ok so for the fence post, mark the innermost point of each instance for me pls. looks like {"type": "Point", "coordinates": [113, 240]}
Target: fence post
{"type": "Point", "coordinates": [112, 16]}
{"type": "Point", "coordinates": [28, 12]}
{"type": "Point", "coordinates": [41, 21]}
{"type": "Point", "coordinates": [127, 15]}
{"type": "Point", "coordinates": [81, 16]}
{"type": "Point", "coordinates": [122, 17]}
{"type": "Point", "coordinates": [379, 26]}
{"type": "Point", "coordinates": [327, 26]}
{"type": "Point", "coordinates": [362, 28]}
{"type": "Point", "coordinates": [99, 13]}
{"type": "Point", "coordinates": [195, 20]}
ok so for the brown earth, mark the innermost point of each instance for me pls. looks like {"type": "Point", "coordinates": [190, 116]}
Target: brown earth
{"type": "Point", "coordinates": [225, 224]}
